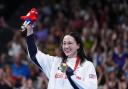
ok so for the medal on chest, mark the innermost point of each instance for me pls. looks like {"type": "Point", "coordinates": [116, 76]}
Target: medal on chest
{"type": "Point", "coordinates": [63, 66]}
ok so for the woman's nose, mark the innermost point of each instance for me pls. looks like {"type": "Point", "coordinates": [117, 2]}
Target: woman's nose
{"type": "Point", "coordinates": [66, 45]}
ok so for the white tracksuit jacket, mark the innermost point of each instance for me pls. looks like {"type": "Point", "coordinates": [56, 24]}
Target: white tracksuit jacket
{"type": "Point", "coordinates": [84, 76]}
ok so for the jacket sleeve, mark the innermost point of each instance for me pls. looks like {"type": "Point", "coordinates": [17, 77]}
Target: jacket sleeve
{"type": "Point", "coordinates": [89, 80]}
{"type": "Point", "coordinates": [43, 61]}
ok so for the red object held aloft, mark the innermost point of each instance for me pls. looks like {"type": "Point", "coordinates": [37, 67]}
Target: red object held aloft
{"type": "Point", "coordinates": [31, 15]}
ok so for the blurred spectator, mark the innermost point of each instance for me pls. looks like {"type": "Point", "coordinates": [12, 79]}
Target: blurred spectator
{"type": "Point", "coordinates": [123, 82]}
{"type": "Point", "coordinates": [120, 56]}
{"type": "Point", "coordinates": [2, 60]}
{"type": "Point", "coordinates": [42, 33]}
{"type": "Point", "coordinates": [99, 56]}
{"type": "Point", "coordinates": [61, 19]}
{"type": "Point", "coordinates": [27, 84]}
{"type": "Point", "coordinates": [125, 69]}
{"type": "Point", "coordinates": [3, 23]}
{"type": "Point", "coordinates": [101, 75]}
{"type": "Point", "coordinates": [42, 82]}
{"type": "Point", "coordinates": [50, 45]}
{"type": "Point", "coordinates": [4, 83]}
{"type": "Point", "coordinates": [34, 74]}
{"type": "Point", "coordinates": [109, 65]}
{"type": "Point", "coordinates": [76, 21]}
{"type": "Point", "coordinates": [9, 76]}
{"type": "Point", "coordinates": [6, 35]}
{"type": "Point", "coordinates": [112, 82]}
{"type": "Point", "coordinates": [19, 69]}
{"type": "Point", "coordinates": [17, 45]}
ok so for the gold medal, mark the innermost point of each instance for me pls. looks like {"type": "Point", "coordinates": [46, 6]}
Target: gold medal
{"type": "Point", "coordinates": [63, 67]}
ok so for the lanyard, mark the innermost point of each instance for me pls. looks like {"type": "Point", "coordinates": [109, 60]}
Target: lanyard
{"type": "Point", "coordinates": [77, 63]}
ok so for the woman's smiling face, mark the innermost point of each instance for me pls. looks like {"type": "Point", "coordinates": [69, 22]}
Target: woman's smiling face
{"type": "Point", "coordinates": [70, 46]}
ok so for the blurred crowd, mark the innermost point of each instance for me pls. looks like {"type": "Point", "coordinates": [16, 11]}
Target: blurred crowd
{"type": "Point", "coordinates": [103, 25]}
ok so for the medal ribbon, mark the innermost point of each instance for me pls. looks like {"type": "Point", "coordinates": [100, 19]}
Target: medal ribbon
{"type": "Point", "coordinates": [77, 63]}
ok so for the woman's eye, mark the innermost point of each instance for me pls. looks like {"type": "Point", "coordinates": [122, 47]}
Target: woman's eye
{"type": "Point", "coordinates": [64, 43]}
{"type": "Point", "coordinates": [69, 43]}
